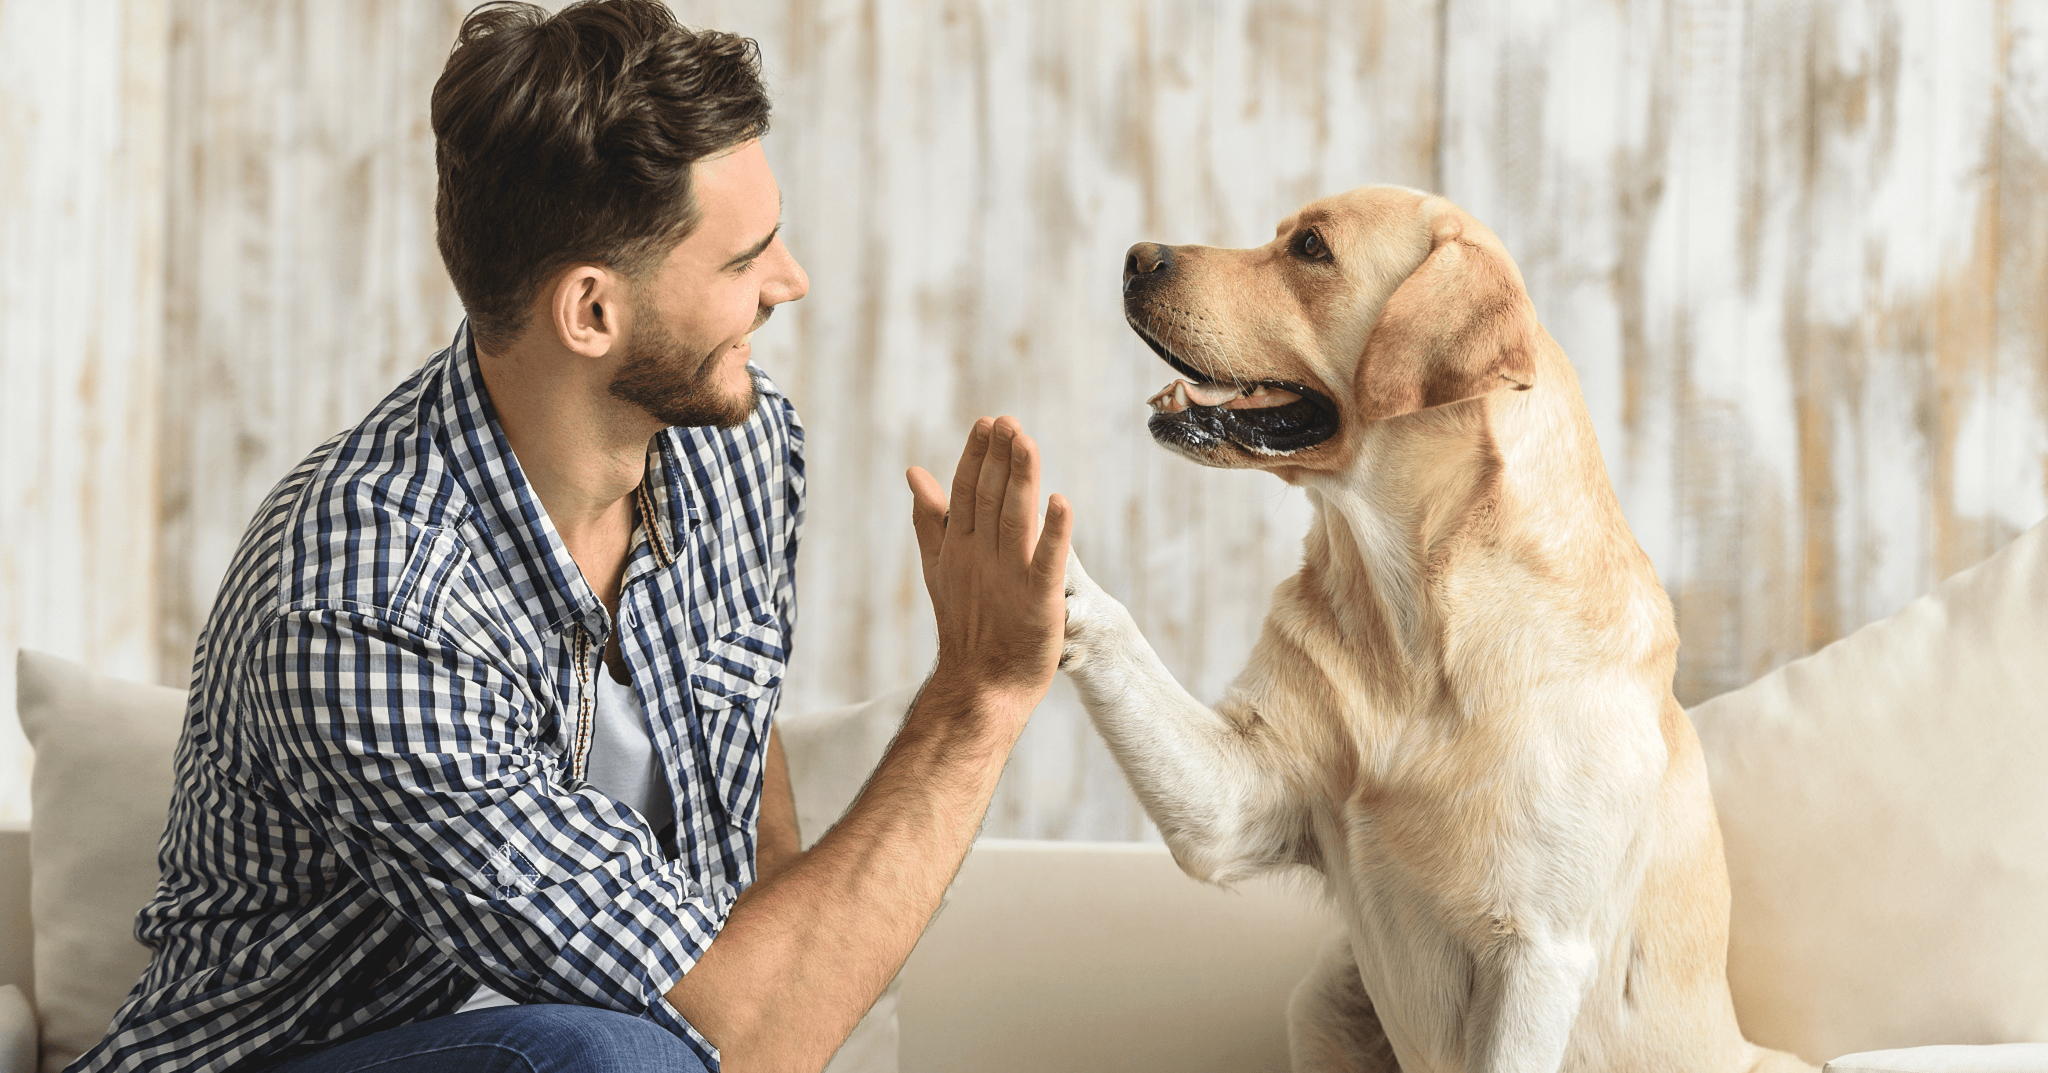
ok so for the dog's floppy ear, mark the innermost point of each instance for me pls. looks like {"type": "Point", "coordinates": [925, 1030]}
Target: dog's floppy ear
{"type": "Point", "coordinates": [1460, 325]}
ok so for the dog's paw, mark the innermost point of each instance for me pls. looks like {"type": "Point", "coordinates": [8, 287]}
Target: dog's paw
{"type": "Point", "coordinates": [1088, 610]}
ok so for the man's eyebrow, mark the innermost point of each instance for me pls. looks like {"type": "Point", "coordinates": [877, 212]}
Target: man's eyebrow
{"type": "Point", "coordinates": [756, 250]}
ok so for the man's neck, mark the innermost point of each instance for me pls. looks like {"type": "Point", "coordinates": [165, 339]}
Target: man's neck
{"type": "Point", "coordinates": [583, 450]}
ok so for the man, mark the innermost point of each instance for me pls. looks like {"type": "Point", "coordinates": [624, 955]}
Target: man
{"type": "Point", "coordinates": [481, 714]}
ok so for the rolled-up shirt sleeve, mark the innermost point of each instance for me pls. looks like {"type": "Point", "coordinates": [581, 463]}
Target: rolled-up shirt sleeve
{"type": "Point", "coordinates": [430, 768]}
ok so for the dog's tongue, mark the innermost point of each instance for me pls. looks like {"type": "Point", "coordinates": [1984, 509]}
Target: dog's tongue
{"type": "Point", "coordinates": [1262, 397]}
{"type": "Point", "coordinates": [1180, 394]}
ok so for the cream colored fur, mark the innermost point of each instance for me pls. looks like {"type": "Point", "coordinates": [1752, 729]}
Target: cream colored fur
{"type": "Point", "coordinates": [1459, 712]}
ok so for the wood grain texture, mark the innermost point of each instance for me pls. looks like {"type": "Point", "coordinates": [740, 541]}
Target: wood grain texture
{"type": "Point", "coordinates": [1795, 253]}
{"type": "Point", "coordinates": [303, 280]}
{"type": "Point", "coordinates": [1798, 252]}
{"type": "Point", "coordinates": [81, 324]}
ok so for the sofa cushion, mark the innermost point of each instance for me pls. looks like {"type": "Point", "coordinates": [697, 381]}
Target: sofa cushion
{"type": "Point", "coordinates": [2009, 1058]}
{"type": "Point", "coordinates": [1886, 818]}
{"type": "Point", "coordinates": [100, 793]}
{"type": "Point", "coordinates": [1106, 956]}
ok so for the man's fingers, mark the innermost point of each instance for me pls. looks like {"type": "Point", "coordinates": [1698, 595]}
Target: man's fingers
{"type": "Point", "coordinates": [1055, 543]}
{"type": "Point", "coordinates": [995, 476]}
{"type": "Point", "coordinates": [1018, 531]}
{"type": "Point", "coordinates": [967, 476]}
{"type": "Point", "coordinates": [927, 514]}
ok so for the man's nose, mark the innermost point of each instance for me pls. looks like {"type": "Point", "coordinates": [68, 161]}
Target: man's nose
{"type": "Point", "coordinates": [790, 283]}
{"type": "Point", "coordinates": [1146, 259]}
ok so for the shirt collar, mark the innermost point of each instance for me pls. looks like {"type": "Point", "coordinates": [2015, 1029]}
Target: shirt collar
{"type": "Point", "coordinates": [664, 503]}
{"type": "Point", "coordinates": [522, 537]}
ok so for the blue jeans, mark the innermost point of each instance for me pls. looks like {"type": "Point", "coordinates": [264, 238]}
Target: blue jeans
{"type": "Point", "coordinates": [510, 1039]}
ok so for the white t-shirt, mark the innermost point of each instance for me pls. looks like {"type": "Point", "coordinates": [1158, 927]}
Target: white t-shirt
{"type": "Point", "coordinates": [624, 765]}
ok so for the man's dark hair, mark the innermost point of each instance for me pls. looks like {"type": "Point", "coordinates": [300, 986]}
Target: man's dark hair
{"type": "Point", "coordinates": [569, 138]}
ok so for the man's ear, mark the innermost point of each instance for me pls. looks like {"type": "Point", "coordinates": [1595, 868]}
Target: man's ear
{"type": "Point", "coordinates": [1460, 325]}
{"type": "Point", "coordinates": [584, 306]}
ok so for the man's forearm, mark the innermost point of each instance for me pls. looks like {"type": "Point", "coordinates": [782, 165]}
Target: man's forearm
{"type": "Point", "coordinates": [777, 840]}
{"type": "Point", "coordinates": [805, 952]}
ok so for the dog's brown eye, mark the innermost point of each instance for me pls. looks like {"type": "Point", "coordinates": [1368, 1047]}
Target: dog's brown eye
{"type": "Point", "coordinates": [1309, 246]}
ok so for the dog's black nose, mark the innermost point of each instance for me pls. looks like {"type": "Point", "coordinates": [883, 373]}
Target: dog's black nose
{"type": "Point", "coordinates": [1145, 259]}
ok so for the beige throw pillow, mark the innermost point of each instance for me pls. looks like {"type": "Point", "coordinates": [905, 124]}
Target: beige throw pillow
{"type": "Point", "coordinates": [832, 752]}
{"type": "Point", "coordinates": [1885, 807]}
{"type": "Point", "coordinates": [100, 794]}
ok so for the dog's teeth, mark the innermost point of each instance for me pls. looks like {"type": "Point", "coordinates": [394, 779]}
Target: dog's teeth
{"type": "Point", "coordinates": [1169, 400]}
{"type": "Point", "coordinates": [1178, 396]}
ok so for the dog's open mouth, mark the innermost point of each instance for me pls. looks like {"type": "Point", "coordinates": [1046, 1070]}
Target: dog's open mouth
{"type": "Point", "coordinates": [1268, 417]}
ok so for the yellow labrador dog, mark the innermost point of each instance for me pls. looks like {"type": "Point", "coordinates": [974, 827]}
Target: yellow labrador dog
{"type": "Point", "coordinates": [1460, 710]}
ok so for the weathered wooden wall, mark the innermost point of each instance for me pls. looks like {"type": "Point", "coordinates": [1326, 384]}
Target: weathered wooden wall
{"type": "Point", "coordinates": [81, 326]}
{"type": "Point", "coordinates": [1797, 250]}
{"type": "Point", "coordinates": [303, 282]}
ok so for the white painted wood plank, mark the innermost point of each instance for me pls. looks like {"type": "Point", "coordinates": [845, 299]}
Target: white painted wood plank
{"type": "Point", "coordinates": [81, 313]}
{"type": "Point", "coordinates": [2002, 449]}
{"type": "Point", "coordinates": [304, 282]}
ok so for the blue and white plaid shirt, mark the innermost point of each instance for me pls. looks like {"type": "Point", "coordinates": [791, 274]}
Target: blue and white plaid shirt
{"type": "Point", "coordinates": [380, 796]}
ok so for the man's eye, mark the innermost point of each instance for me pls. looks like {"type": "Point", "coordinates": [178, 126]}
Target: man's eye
{"type": "Point", "coordinates": [1310, 246]}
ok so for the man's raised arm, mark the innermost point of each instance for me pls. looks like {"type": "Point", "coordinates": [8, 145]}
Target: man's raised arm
{"type": "Point", "coordinates": [806, 951]}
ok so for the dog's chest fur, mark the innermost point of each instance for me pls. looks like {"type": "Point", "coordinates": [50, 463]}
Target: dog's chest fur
{"type": "Point", "coordinates": [1473, 737]}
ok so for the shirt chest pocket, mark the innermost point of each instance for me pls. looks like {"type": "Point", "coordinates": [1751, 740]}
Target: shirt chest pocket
{"type": "Point", "coordinates": [733, 684]}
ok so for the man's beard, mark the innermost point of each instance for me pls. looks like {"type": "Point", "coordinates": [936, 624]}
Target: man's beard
{"type": "Point", "coordinates": [656, 378]}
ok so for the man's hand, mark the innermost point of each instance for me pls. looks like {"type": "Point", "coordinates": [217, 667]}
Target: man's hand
{"type": "Point", "coordinates": [805, 951]}
{"type": "Point", "coordinates": [995, 574]}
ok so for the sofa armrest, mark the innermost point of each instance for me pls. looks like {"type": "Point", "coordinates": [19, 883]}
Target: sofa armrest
{"type": "Point", "coordinates": [1990, 1058]}
{"type": "Point", "coordinates": [18, 1036]}
{"type": "Point", "coordinates": [17, 934]}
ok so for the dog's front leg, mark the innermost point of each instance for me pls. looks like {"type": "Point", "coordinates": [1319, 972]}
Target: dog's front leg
{"type": "Point", "coordinates": [1526, 994]}
{"type": "Point", "coordinates": [1203, 780]}
{"type": "Point", "coordinates": [1332, 1026]}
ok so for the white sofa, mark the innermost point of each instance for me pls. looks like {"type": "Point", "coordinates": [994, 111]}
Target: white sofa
{"type": "Point", "coordinates": [1884, 804]}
